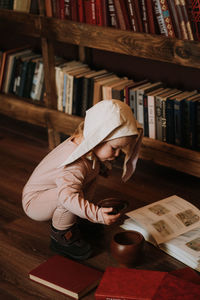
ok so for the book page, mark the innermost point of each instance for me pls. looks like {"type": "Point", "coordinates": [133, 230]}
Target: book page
{"type": "Point", "coordinates": [167, 218]}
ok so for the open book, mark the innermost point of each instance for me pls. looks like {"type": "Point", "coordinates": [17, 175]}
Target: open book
{"type": "Point", "coordinates": [172, 224]}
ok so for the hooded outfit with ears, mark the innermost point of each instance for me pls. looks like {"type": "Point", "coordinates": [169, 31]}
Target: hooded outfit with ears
{"type": "Point", "coordinates": [60, 187]}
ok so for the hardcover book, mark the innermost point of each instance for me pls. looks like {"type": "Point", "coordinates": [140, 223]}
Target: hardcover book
{"type": "Point", "coordinates": [173, 225]}
{"type": "Point", "coordinates": [66, 276]}
{"type": "Point", "coordinates": [129, 284]}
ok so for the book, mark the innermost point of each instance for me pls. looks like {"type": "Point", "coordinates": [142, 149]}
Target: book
{"type": "Point", "coordinates": [179, 102]}
{"type": "Point", "coordinates": [194, 13]}
{"type": "Point", "coordinates": [132, 15]}
{"type": "Point", "coordinates": [186, 19]}
{"type": "Point", "coordinates": [128, 284]}
{"type": "Point", "coordinates": [181, 20]}
{"type": "Point", "coordinates": [151, 103]}
{"type": "Point", "coordinates": [66, 276]}
{"type": "Point", "coordinates": [160, 18]}
{"type": "Point", "coordinates": [112, 14]}
{"type": "Point", "coordinates": [175, 19]}
{"type": "Point", "coordinates": [173, 225]}
{"type": "Point", "coordinates": [23, 6]}
{"type": "Point", "coordinates": [145, 23]}
{"type": "Point", "coordinates": [150, 16]}
{"type": "Point", "coordinates": [161, 113]}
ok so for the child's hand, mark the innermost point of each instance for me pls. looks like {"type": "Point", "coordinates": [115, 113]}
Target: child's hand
{"type": "Point", "coordinates": [108, 217]}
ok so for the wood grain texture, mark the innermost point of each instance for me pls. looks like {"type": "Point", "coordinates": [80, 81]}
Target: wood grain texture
{"type": "Point", "coordinates": [150, 46]}
{"type": "Point", "coordinates": [25, 243]}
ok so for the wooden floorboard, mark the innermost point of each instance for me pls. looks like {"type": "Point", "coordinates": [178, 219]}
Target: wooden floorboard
{"type": "Point", "coordinates": [24, 243]}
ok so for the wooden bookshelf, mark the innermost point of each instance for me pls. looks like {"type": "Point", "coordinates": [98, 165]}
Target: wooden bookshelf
{"type": "Point", "coordinates": [153, 47]}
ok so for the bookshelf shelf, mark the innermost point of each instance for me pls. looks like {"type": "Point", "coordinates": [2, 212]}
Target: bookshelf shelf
{"type": "Point", "coordinates": [152, 47]}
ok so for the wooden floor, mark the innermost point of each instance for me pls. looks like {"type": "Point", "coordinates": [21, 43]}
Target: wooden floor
{"type": "Point", "coordinates": [24, 243]}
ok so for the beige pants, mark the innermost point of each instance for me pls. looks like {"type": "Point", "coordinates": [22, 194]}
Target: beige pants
{"type": "Point", "coordinates": [43, 206]}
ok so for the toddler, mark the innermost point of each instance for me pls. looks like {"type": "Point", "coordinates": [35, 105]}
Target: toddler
{"type": "Point", "coordinates": [62, 186]}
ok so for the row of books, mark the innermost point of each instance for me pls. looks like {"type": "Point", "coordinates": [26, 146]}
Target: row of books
{"type": "Point", "coordinates": [166, 114]}
{"type": "Point", "coordinates": [22, 73]}
{"type": "Point", "coordinates": [27, 6]}
{"type": "Point", "coordinates": [180, 18]}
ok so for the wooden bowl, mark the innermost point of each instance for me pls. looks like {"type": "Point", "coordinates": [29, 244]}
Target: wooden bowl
{"type": "Point", "coordinates": [127, 247]}
{"type": "Point", "coordinates": [118, 205]}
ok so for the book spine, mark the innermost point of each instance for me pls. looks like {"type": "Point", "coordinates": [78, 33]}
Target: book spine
{"type": "Point", "coordinates": [67, 9]}
{"type": "Point", "coordinates": [146, 118]}
{"type": "Point", "coordinates": [120, 16]}
{"type": "Point", "coordinates": [133, 102]}
{"type": "Point", "coordinates": [89, 12]}
{"type": "Point", "coordinates": [113, 21]}
{"type": "Point", "coordinates": [193, 13]}
{"type": "Point", "coordinates": [124, 10]}
{"type": "Point", "coordinates": [133, 18]}
{"type": "Point", "coordinates": [74, 11]}
{"type": "Point", "coordinates": [167, 18]}
{"type": "Point", "coordinates": [160, 18]}
{"type": "Point", "coordinates": [144, 16]}
{"type": "Point", "coordinates": [48, 8]}
{"type": "Point", "coordinates": [175, 19]}
{"type": "Point", "coordinates": [158, 103]}
{"type": "Point", "coordinates": [170, 121]}
{"type": "Point", "coordinates": [163, 121]}
{"type": "Point", "coordinates": [186, 19]}
{"type": "Point", "coordinates": [62, 9]}
{"type": "Point", "coordinates": [150, 16]}
{"type": "Point", "coordinates": [140, 107]}
{"type": "Point", "coordinates": [138, 14]}
{"type": "Point", "coordinates": [151, 116]}
{"type": "Point", "coordinates": [81, 16]}
{"type": "Point", "coordinates": [181, 20]}
{"type": "Point", "coordinates": [178, 113]}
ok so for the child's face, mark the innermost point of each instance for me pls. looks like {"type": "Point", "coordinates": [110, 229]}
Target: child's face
{"type": "Point", "coordinates": [111, 149]}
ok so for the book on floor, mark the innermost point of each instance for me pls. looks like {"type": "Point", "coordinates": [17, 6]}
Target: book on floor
{"type": "Point", "coordinates": [66, 276]}
{"type": "Point", "coordinates": [173, 225]}
{"type": "Point", "coordinates": [129, 283]}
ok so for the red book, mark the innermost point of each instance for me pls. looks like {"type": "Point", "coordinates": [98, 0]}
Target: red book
{"type": "Point", "coordinates": [120, 16]}
{"type": "Point", "coordinates": [138, 14]}
{"type": "Point", "coordinates": [90, 11]}
{"type": "Point", "coordinates": [132, 15]}
{"type": "Point", "coordinates": [125, 283]}
{"type": "Point", "coordinates": [187, 274]}
{"type": "Point", "coordinates": [74, 11]}
{"type": "Point", "coordinates": [150, 16]}
{"type": "Point", "coordinates": [81, 15]}
{"type": "Point", "coordinates": [129, 284]}
{"type": "Point", "coordinates": [66, 276]}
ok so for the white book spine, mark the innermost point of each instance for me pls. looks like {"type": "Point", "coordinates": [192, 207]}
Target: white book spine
{"type": "Point", "coordinates": [151, 117]}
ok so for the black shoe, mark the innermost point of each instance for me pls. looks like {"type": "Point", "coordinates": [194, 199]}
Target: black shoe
{"type": "Point", "coordinates": [69, 243]}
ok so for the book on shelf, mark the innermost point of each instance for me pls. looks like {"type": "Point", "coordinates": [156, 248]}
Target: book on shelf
{"type": "Point", "coordinates": [129, 283]}
{"type": "Point", "coordinates": [151, 17]}
{"type": "Point", "coordinates": [175, 18]}
{"type": "Point", "coordinates": [151, 103]}
{"type": "Point", "coordinates": [173, 225]}
{"type": "Point", "coordinates": [66, 276]}
{"type": "Point", "coordinates": [132, 15]}
{"type": "Point", "coordinates": [9, 66]}
{"type": "Point", "coordinates": [146, 90]}
{"type": "Point", "coordinates": [179, 112]}
{"type": "Point", "coordinates": [89, 7]}
{"type": "Point", "coordinates": [118, 91]}
{"type": "Point", "coordinates": [23, 6]}
{"type": "Point", "coordinates": [38, 80]}
{"type": "Point", "coordinates": [193, 10]}
{"type": "Point", "coordinates": [86, 96]}
{"type": "Point", "coordinates": [102, 13]}
{"type": "Point", "coordinates": [107, 88]}
{"type": "Point", "coordinates": [181, 20]}
{"type": "Point", "coordinates": [160, 103]}
{"type": "Point", "coordinates": [112, 14]}
{"type": "Point", "coordinates": [164, 18]}
{"type": "Point", "coordinates": [186, 19]}
{"type": "Point", "coordinates": [144, 16]}
{"type": "Point", "coordinates": [130, 95]}
{"type": "Point", "coordinates": [197, 140]}
{"type": "Point", "coordinates": [122, 14]}
{"type": "Point", "coordinates": [98, 84]}
{"type": "Point", "coordinates": [189, 121]}
{"type": "Point", "coordinates": [6, 4]}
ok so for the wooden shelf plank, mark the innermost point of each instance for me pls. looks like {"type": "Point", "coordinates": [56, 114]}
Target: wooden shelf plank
{"type": "Point", "coordinates": [149, 46]}
{"type": "Point", "coordinates": [179, 158]}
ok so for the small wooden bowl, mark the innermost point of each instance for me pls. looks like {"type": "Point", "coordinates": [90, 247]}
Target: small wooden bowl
{"type": "Point", "coordinates": [127, 247]}
{"type": "Point", "coordinates": [118, 205]}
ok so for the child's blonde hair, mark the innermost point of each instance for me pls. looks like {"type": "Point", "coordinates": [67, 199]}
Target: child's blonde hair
{"type": "Point", "coordinates": [79, 130]}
